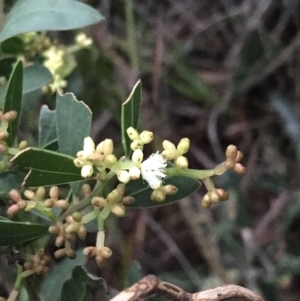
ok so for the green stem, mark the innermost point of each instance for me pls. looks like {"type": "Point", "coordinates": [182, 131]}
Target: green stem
{"type": "Point", "coordinates": [191, 173]}
{"type": "Point", "coordinates": [19, 276]}
{"type": "Point", "coordinates": [40, 207]}
{"type": "Point", "coordinates": [131, 35]}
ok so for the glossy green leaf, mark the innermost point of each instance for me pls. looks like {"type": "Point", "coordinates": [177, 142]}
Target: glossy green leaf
{"type": "Point", "coordinates": [47, 126]}
{"type": "Point", "coordinates": [47, 167]}
{"type": "Point", "coordinates": [77, 288]}
{"type": "Point", "coordinates": [73, 123]}
{"type": "Point", "coordinates": [12, 233]}
{"type": "Point", "coordinates": [12, 46]}
{"type": "Point", "coordinates": [13, 100]}
{"type": "Point", "coordinates": [51, 288]}
{"type": "Point", "coordinates": [142, 192]}
{"type": "Point", "coordinates": [10, 180]}
{"type": "Point", "coordinates": [36, 76]}
{"type": "Point", "coordinates": [44, 15]}
{"type": "Point", "coordinates": [130, 114]}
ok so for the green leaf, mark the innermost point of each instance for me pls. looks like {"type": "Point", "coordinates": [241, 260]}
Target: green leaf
{"type": "Point", "coordinates": [77, 288]}
{"type": "Point", "coordinates": [73, 123]}
{"type": "Point", "coordinates": [52, 286]}
{"type": "Point", "coordinates": [47, 167]}
{"type": "Point", "coordinates": [13, 100]}
{"type": "Point", "coordinates": [47, 126]}
{"type": "Point", "coordinates": [12, 46]}
{"type": "Point", "coordinates": [10, 180]}
{"type": "Point", "coordinates": [134, 274]}
{"type": "Point", "coordinates": [130, 114]}
{"type": "Point", "coordinates": [44, 15]}
{"type": "Point", "coordinates": [12, 233]}
{"type": "Point", "coordinates": [142, 192]}
{"type": "Point", "coordinates": [36, 76]}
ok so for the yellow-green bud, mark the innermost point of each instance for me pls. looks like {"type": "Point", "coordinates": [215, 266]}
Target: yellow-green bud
{"type": "Point", "coordinates": [146, 137]}
{"type": "Point", "coordinates": [111, 198]}
{"type": "Point", "coordinates": [105, 147]}
{"type": "Point", "coordinates": [23, 144]}
{"type": "Point", "coordinates": [40, 193]}
{"type": "Point", "coordinates": [136, 144]}
{"type": "Point", "coordinates": [99, 201]}
{"type": "Point", "coordinates": [118, 210]}
{"type": "Point", "coordinates": [206, 202]}
{"type": "Point", "coordinates": [137, 156]}
{"type": "Point", "coordinates": [168, 145]}
{"type": "Point", "coordinates": [231, 152]}
{"type": "Point", "coordinates": [78, 163]}
{"type": "Point", "coordinates": [54, 192]}
{"type": "Point", "coordinates": [123, 176]}
{"type": "Point", "coordinates": [29, 194]}
{"type": "Point", "coordinates": [110, 159]}
{"type": "Point", "coordinates": [77, 216]}
{"type": "Point", "coordinates": [170, 189]}
{"type": "Point", "coordinates": [183, 145]}
{"type": "Point", "coordinates": [182, 162]}
{"type": "Point", "coordinates": [132, 133]}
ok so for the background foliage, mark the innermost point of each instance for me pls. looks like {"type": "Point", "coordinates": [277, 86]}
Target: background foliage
{"type": "Point", "coordinates": [218, 72]}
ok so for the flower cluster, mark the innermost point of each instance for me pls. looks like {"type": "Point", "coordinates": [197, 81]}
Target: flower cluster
{"type": "Point", "coordinates": [101, 157]}
{"type": "Point", "coordinates": [171, 152]}
{"type": "Point", "coordinates": [37, 263]}
{"type": "Point", "coordinates": [138, 140]}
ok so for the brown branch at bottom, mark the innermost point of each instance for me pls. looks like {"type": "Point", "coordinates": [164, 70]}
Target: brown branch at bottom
{"type": "Point", "coordinates": [152, 285]}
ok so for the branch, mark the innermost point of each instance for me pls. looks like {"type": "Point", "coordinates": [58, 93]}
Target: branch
{"type": "Point", "coordinates": [152, 285]}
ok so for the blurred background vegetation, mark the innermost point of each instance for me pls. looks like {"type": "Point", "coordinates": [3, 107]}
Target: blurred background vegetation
{"type": "Point", "coordinates": [218, 72]}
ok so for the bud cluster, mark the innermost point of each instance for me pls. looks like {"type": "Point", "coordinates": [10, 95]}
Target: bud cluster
{"type": "Point", "coordinates": [83, 41]}
{"type": "Point", "coordinates": [171, 152]}
{"type": "Point", "coordinates": [214, 196]}
{"type": "Point", "coordinates": [38, 263]}
{"type": "Point", "coordinates": [101, 254]}
{"type": "Point", "coordinates": [53, 201]}
{"type": "Point", "coordinates": [138, 140]}
{"type": "Point", "coordinates": [159, 194]}
{"type": "Point", "coordinates": [101, 157]}
{"type": "Point", "coordinates": [112, 203]}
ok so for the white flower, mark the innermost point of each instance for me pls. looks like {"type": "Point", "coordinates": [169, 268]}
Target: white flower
{"type": "Point", "coordinates": [152, 170]}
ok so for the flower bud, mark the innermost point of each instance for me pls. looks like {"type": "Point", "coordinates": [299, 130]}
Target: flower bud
{"type": "Point", "coordinates": [101, 261]}
{"type": "Point", "coordinates": [168, 154]}
{"type": "Point", "coordinates": [60, 253]}
{"type": "Point", "coordinates": [134, 173]}
{"type": "Point", "coordinates": [87, 171]}
{"type": "Point", "coordinates": [206, 202]}
{"type": "Point", "coordinates": [132, 133]}
{"type": "Point", "coordinates": [13, 209]}
{"type": "Point", "coordinates": [88, 146]}
{"type": "Point", "coordinates": [123, 176]}
{"type": "Point", "coordinates": [49, 203]}
{"type": "Point", "coordinates": [136, 144]}
{"type": "Point", "coordinates": [105, 252]}
{"type": "Point", "coordinates": [54, 192]}
{"type": "Point", "coordinates": [30, 205]}
{"type": "Point", "coordinates": [59, 241]}
{"type": "Point", "coordinates": [239, 168]}
{"type": "Point", "coordinates": [99, 201]}
{"type": "Point", "coordinates": [40, 193]}
{"type": "Point", "coordinates": [29, 194]}
{"type": "Point", "coordinates": [223, 194]}
{"type": "Point", "coordinates": [63, 204]}
{"type": "Point", "coordinates": [9, 116]}
{"type": "Point", "coordinates": [231, 152]}
{"type": "Point", "coordinates": [168, 145]}
{"type": "Point", "coordinates": [71, 253]}
{"type": "Point", "coordinates": [54, 230]}
{"type": "Point", "coordinates": [78, 163]}
{"type": "Point", "coordinates": [14, 195]}
{"type": "Point", "coordinates": [77, 217]}
{"type": "Point", "coordinates": [23, 144]}
{"type": "Point", "coordinates": [86, 189]}
{"type": "Point", "coordinates": [146, 137]}
{"type": "Point", "coordinates": [3, 147]}
{"type": "Point", "coordinates": [214, 197]}
{"type": "Point", "coordinates": [170, 189]}
{"type": "Point", "coordinates": [110, 159]}
{"type": "Point", "coordinates": [105, 147]}
{"type": "Point", "coordinates": [183, 145]}
{"type": "Point", "coordinates": [3, 135]}
{"type": "Point", "coordinates": [82, 232]}
{"type": "Point", "coordinates": [137, 156]}
{"type": "Point", "coordinates": [111, 198]}
{"type": "Point", "coordinates": [182, 162]}
{"type": "Point", "coordinates": [118, 210]}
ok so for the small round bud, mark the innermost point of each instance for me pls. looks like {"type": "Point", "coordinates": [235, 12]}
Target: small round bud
{"type": "Point", "coordinates": [60, 253]}
{"type": "Point", "coordinates": [82, 232]}
{"type": "Point", "coordinates": [54, 192]}
{"type": "Point", "coordinates": [183, 145]}
{"type": "Point", "coordinates": [120, 190]}
{"type": "Point", "coordinates": [168, 154]}
{"type": "Point", "coordinates": [23, 144]}
{"type": "Point", "coordinates": [136, 144]}
{"type": "Point", "coordinates": [78, 163]}
{"type": "Point", "coordinates": [63, 204]}
{"type": "Point", "coordinates": [214, 197]}
{"type": "Point", "coordinates": [54, 229]}
{"type": "Point", "coordinates": [137, 156]}
{"type": "Point", "coordinates": [239, 168]}
{"type": "Point", "coordinates": [110, 159]}
{"type": "Point", "coordinates": [132, 133]}
{"type": "Point", "coordinates": [168, 145]}
{"type": "Point", "coordinates": [14, 195]}
{"type": "Point", "coordinates": [170, 189]}
{"type": "Point", "coordinates": [13, 209]}
{"type": "Point", "coordinates": [28, 265]}
{"type": "Point", "coordinates": [118, 210]}
{"type": "Point", "coordinates": [3, 135]}
{"type": "Point", "coordinates": [146, 137]}
{"type": "Point", "coordinates": [128, 200]}
{"type": "Point", "coordinates": [77, 216]}
{"type": "Point", "coordinates": [29, 194]}
{"type": "Point", "coordinates": [111, 198]}
{"type": "Point", "coordinates": [231, 152]}
{"type": "Point", "coordinates": [105, 252]}
{"type": "Point", "coordinates": [88, 251]}
{"type": "Point", "coordinates": [134, 173]}
{"type": "Point", "coordinates": [182, 162]}
{"type": "Point", "coordinates": [158, 195]}
{"type": "Point", "coordinates": [99, 201]}
{"type": "Point", "coordinates": [223, 194]}
{"type": "Point", "coordinates": [239, 156]}
{"type": "Point", "coordinates": [3, 147]}
{"type": "Point", "coordinates": [49, 203]}
{"type": "Point", "coordinates": [87, 171]}
{"type": "Point", "coordinates": [9, 116]}
{"type": "Point", "coordinates": [40, 193]}
{"type": "Point", "coordinates": [206, 202]}
{"type": "Point", "coordinates": [123, 176]}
